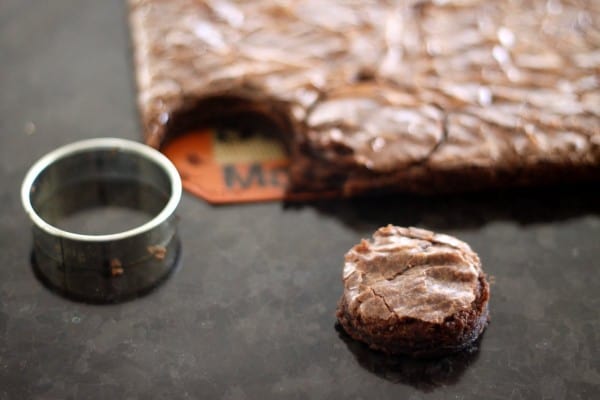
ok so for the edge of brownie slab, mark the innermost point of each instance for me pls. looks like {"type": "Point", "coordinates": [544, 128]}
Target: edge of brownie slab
{"type": "Point", "coordinates": [479, 114]}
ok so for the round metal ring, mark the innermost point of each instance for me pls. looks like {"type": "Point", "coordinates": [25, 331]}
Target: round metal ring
{"type": "Point", "coordinates": [92, 174]}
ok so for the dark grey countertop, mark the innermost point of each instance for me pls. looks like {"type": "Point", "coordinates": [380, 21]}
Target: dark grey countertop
{"type": "Point", "coordinates": [250, 312]}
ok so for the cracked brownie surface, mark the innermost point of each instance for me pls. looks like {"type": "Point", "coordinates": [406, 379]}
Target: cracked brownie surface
{"type": "Point", "coordinates": [410, 95]}
{"type": "Point", "coordinates": [414, 292]}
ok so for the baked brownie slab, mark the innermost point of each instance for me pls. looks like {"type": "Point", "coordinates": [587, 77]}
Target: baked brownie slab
{"type": "Point", "coordinates": [419, 96]}
{"type": "Point", "coordinates": [413, 292]}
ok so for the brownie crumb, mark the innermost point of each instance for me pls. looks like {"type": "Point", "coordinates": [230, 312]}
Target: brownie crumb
{"type": "Point", "coordinates": [116, 267]}
{"type": "Point", "coordinates": [158, 252]}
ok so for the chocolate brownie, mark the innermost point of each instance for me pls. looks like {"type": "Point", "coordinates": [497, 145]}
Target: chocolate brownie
{"type": "Point", "coordinates": [420, 96]}
{"type": "Point", "coordinates": [413, 292]}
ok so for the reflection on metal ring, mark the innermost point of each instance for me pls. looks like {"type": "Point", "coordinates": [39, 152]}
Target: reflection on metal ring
{"type": "Point", "coordinates": [106, 266]}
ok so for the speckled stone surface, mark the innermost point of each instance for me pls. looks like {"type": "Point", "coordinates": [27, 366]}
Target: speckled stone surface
{"type": "Point", "coordinates": [250, 312]}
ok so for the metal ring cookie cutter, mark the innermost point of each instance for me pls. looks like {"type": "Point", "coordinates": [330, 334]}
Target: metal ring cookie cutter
{"type": "Point", "coordinates": [102, 172]}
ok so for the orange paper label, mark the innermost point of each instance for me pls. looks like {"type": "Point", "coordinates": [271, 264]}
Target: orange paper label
{"type": "Point", "coordinates": [224, 167]}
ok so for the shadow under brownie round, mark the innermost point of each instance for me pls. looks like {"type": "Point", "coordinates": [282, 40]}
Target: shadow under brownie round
{"type": "Point", "coordinates": [413, 292]}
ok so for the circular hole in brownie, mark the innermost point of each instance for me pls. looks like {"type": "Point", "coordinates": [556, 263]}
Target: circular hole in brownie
{"type": "Point", "coordinates": [238, 121]}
